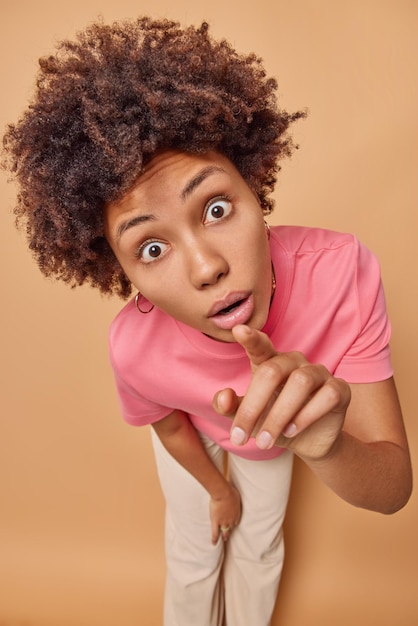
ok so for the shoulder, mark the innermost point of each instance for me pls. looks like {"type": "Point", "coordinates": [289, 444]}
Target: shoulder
{"type": "Point", "coordinates": [133, 335]}
{"type": "Point", "coordinates": [305, 239]}
{"type": "Point", "coordinates": [332, 266]}
{"type": "Point", "coordinates": [124, 325]}
{"type": "Point", "coordinates": [316, 248]}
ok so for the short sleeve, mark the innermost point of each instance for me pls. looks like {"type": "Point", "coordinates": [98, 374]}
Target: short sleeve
{"type": "Point", "coordinates": [137, 410]}
{"type": "Point", "coordinates": [368, 357]}
{"type": "Point", "coordinates": [126, 358]}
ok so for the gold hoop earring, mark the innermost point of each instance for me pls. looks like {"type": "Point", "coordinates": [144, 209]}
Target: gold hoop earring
{"type": "Point", "coordinates": [138, 295]}
{"type": "Point", "coordinates": [267, 229]}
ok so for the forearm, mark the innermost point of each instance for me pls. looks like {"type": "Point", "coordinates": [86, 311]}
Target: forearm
{"type": "Point", "coordinates": [184, 444]}
{"type": "Point", "coordinates": [374, 476]}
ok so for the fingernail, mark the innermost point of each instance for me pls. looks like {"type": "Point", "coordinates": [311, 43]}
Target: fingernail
{"type": "Point", "coordinates": [264, 440]}
{"type": "Point", "coordinates": [237, 436]}
{"type": "Point", "coordinates": [290, 430]}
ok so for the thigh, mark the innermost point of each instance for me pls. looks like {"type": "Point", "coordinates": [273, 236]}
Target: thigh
{"type": "Point", "coordinates": [193, 591]}
{"type": "Point", "coordinates": [264, 487]}
{"type": "Point", "coordinates": [188, 528]}
{"type": "Point", "coordinates": [255, 550]}
{"type": "Point", "coordinates": [182, 492]}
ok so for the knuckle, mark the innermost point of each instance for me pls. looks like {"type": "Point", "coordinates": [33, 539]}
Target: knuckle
{"type": "Point", "coordinates": [323, 371]}
{"type": "Point", "coordinates": [246, 419]}
{"type": "Point", "coordinates": [338, 391]}
{"type": "Point", "coordinates": [246, 416]}
{"type": "Point", "coordinates": [271, 370]}
{"type": "Point", "coordinates": [298, 357]}
{"type": "Point", "coordinates": [333, 393]}
{"type": "Point", "coordinates": [312, 375]}
{"type": "Point", "coordinates": [344, 389]}
{"type": "Point", "coordinates": [304, 378]}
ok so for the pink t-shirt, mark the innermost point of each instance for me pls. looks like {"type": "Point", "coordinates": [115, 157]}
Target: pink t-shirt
{"type": "Point", "coordinates": [328, 304]}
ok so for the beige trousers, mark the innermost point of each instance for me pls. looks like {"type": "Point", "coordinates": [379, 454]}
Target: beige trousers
{"type": "Point", "coordinates": [233, 583]}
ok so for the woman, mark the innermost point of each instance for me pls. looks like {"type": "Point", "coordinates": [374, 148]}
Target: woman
{"type": "Point", "coordinates": [146, 161]}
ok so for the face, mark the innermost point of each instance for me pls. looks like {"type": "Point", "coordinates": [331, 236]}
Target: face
{"type": "Point", "coordinates": [190, 236]}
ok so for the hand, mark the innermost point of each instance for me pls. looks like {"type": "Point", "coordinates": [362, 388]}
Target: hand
{"type": "Point", "coordinates": [289, 402]}
{"type": "Point", "coordinates": [225, 513]}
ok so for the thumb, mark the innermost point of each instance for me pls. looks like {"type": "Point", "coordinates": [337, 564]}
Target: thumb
{"type": "Point", "coordinates": [226, 402]}
{"type": "Point", "coordinates": [215, 530]}
{"type": "Point", "coordinates": [256, 344]}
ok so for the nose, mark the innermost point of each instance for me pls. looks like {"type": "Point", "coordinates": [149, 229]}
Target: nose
{"type": "Point", "coordinates": [206, 264]}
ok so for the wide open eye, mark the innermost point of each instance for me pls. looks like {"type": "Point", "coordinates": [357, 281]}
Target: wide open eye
{"type": "Point", "coordinates": [217, 209]}
{"type": "Point", "coordinates": [151, 251]}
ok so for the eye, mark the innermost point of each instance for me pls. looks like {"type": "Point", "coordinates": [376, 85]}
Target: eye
{"type": "Point", "coordinates": [217, 209]}
{"type": "Point", "coordinates": [151, 251]}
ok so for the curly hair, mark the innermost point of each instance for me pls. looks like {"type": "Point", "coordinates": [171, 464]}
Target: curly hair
{"type": "Point", "coordinates": [104, 104]}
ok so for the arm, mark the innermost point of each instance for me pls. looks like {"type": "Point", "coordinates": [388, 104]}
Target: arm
{"type": "Point", "coordinates": [353, 438]}
{"type": "Point", "coordinates": [181, 440]}
{"type": "Point", "coordinates": [368, 464]}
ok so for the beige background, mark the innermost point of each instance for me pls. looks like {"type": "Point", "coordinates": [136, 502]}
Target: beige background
{"type": "Point", "coordinates": [81, 518]}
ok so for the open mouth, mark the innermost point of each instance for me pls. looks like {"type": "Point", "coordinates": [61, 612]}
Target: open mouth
{"type": "Point", "coordinates": [237, 312]}
{"type": "Point", "coordinates": [230, 308]}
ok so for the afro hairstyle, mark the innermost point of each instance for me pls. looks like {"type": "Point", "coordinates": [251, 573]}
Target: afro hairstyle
{"type": "Point", "coordinates": [104, 105]}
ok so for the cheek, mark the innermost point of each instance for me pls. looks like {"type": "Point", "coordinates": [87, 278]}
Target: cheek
{"type": "Point", "coordinates": [257, 247]}
{"type": "Point", "coordinates": [162, 287]}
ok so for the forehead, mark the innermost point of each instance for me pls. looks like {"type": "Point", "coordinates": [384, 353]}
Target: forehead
{"type": "Point", "coordinates": [167, 176]}
{"type": "Point", "coordinates": [178, 172]}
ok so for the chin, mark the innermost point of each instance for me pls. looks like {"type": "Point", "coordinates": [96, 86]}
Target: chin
{"type": "Point", "coordinates": [227, 337]}
{"type": "Point", "coordinates": [258, 324]}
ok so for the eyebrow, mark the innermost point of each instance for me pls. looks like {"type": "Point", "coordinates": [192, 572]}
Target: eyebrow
{"type": "Point", "coordinates": [199, 178]}
{"type": "Point", "coordinates": [189, 188]}
{"type": "Point", "coordinates": [138, 219]}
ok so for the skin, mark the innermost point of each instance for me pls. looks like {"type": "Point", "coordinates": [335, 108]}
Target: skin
{"type": "Point", "coordinates": [202, 258]}
{"type": "Point", "coordinates": [190, 235]}
{"type": "Point", "coordinates": [351, 436]}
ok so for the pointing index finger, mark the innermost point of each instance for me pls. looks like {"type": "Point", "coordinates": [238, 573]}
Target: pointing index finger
{"type": "Point", "coordinates": [259, 349]}
{"type": "Point", "coordinates": [256, 344]}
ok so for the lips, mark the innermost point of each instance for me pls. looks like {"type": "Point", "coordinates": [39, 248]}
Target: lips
{"type": "Point", "coordinates": [230, 308]}
{"type": "Point", "coordinates": [236, 308]}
